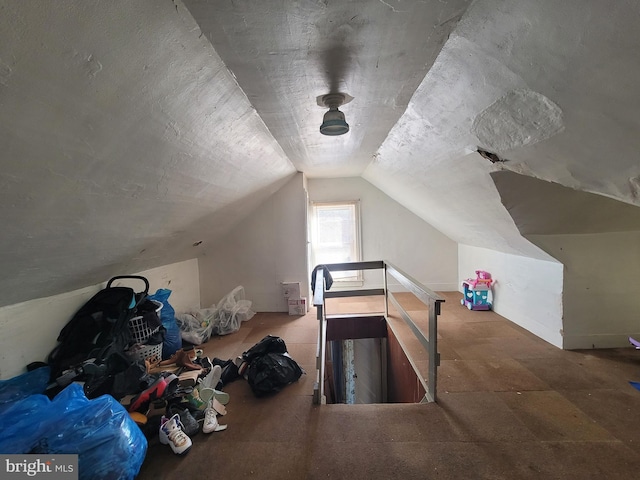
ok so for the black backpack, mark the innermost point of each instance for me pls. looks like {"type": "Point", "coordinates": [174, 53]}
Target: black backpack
{"type": "Point", "coordinates": [93, 343]}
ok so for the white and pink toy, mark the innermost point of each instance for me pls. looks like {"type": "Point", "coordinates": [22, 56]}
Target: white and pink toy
{"type": "Point", "coordinates": [477, 291]}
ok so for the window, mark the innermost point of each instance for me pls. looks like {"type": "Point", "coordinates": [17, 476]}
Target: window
{"type": "Point", "coordinates": [336, 236]}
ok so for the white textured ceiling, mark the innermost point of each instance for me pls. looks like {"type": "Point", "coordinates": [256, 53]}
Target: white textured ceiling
{"type": "Point", "coordinates": [132, 130]}
{"type": "Point", "coordinates": [286, 53]}
{"type": "Point", "coordinates": [547, 85]}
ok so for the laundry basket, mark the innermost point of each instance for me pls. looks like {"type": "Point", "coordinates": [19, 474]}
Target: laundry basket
{"type": "Point", "coordinates": [138, 326]}
{"type": "Point", "coordinates": [142, 352]}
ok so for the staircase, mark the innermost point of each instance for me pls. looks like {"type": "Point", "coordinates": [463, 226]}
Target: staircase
{"type": "Point", "coordinates": [390, 326]}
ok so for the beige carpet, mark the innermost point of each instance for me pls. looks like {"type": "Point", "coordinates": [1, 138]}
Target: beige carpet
{"type": "Point", "coordinates": [510, 406]}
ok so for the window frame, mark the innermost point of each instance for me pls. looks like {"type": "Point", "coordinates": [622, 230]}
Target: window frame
{"type": "Point", "coordinates": [354, 280]}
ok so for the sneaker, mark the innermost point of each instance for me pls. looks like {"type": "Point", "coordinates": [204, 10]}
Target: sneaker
{"type": "Point", "coordinates": [204, 362]}
{"type": "Point", "coordinates": [211, 421]}
{"type": "Point", "coordinates": [141, 402]}
{"type": "Point", "coordinates": [212, 379]}
{"type": "Point", "coordinates": [183, 404]}
{"type": "Point", "coordinates": [238, 361]}
{"type": "Point", "coordinates": [189, 423]}
{"type": "Point", "coordinates": [196, 401]}
{"type": "Point", "coordinates": [171, 434]}
{"type": "Point", "coordinates": [206, 394]}
{"type": "Point", "coordinates": [241, 364]}
{"type": "Point", "coordinates": [229, 372]}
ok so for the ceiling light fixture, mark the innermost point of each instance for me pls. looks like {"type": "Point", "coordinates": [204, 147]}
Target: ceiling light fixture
{"type": "Point", "coordinates": [333, 122]}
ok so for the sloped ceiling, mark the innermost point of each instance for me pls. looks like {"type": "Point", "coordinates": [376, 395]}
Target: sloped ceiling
{"type": "Point", "coordinates": [285, 54]}
{"type": "Point", "coordinates": [131, 131]}
{"type": "Point", "coordinates": [548, 86]}
{"type": "Point", "coordinates": [546, 208]}
{"type": "Point", "coordinates": [125, 141]}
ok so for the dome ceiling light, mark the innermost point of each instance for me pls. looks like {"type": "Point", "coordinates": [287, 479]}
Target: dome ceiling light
{"type": "Point", "coordinates": [333, 122]}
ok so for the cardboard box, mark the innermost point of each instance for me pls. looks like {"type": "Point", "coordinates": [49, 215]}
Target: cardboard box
{"type": "Point", "coordinates": [297, 306]}
{"type": "Point", "coordinates": [291, 290]}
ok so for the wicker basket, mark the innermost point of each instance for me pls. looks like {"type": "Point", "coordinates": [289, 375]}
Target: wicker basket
{"type": "Point", "coordinates": [142, 352]}
{"type": "Point", "coordinates": [140, 330]}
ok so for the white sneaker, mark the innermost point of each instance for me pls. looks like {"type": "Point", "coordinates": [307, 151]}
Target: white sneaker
{"type": "Point", "coordinates": [211, 421]}
{"type": "Point", "coordinates": [171, 434]}
{"type": "Point", "coordinates": [212, 379]}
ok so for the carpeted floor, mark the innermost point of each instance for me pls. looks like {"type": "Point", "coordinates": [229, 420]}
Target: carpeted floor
{"type": "Point", "coordinates": [510, 406]}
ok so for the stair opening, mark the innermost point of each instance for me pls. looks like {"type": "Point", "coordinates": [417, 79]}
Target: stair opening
{"type": "Point", "coordinates": [365, 363]}
{"type": "Point", "coordinates": [388, 357]}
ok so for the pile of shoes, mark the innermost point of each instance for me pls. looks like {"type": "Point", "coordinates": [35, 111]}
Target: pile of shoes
{"type": "Point", "coordinates": [185, 398]}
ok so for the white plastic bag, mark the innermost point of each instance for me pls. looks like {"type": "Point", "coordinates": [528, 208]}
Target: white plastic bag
{"type": "Point", "coordinates": [231, 311]}
{"type": "Point", "coordinates": [196, 326]}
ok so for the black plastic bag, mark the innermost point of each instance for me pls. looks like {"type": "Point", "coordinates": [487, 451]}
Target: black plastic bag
{"type": "Point", "coordinates": [268, 344]}
{"type": "Point", "coordinates": [270, 372]}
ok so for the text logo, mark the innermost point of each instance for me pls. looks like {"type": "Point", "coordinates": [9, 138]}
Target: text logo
{"type": "Point", "coordinates": [50, 467]}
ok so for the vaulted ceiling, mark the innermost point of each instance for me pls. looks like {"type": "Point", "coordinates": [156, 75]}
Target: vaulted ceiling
{"type": "Point", "coordinates": [196, 111]}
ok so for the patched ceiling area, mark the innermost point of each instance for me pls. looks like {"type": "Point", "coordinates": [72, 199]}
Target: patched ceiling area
{"type": "Point", "coordinates": [199, 110]}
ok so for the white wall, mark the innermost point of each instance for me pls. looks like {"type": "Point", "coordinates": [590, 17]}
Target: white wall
{"type": "Point", "coordinates": [601, 300]}
{"type": "Point", "coordinates": [527, 291]}
{"type": "Point", "coordinates": [391, 232]}
{"type": "Point", "coordinates": [264, 250]}
{"type": "Point", "coordinates": [30, 329]}
{"type": "Point", "coordinates": [182, 279]}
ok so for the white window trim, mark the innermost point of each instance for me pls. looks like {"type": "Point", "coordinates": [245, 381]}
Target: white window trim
{"type": "Point", "coordinates": [338, 283]}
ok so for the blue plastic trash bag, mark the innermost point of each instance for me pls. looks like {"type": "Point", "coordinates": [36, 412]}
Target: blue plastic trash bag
{"type": "Point", "coordinates": [108, 442]}
{"type": "Point", "coordinates": [172, 336]}
{"type": "Point", "coordinates": [22, 386]}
